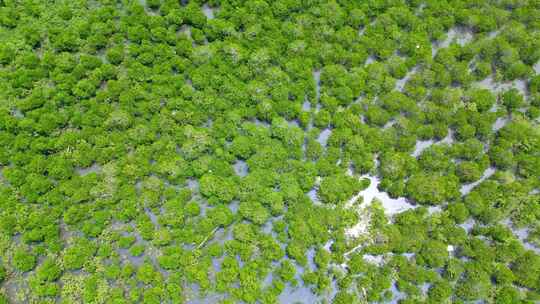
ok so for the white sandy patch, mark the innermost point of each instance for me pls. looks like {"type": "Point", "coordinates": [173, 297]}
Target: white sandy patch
{"type": "Point", "coordinates": [391, 206]}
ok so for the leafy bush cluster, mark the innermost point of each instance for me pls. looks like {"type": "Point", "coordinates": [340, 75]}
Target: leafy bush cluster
{"type": "Point", "coordinates": [123, 125]}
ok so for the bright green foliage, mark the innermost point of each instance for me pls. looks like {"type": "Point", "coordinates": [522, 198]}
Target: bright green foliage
{"type": "Point", "coordinates": [3, 273]}
{"type": "Point", "coordinates": [433, 254]}
{"type": "Point", "coordinates": [76, 256]}
{"type": "Point", "coordinates": [166, 151]}
{"type": "Point", "coordinates": [23, 260]}
{"type": "Point", "coordinates": [215, 187]}
{"type": "Point", "coordinates": [432, 189]}
{"type": "Point", "coordinates": [512, 99]}
{"type": "Point", "coordinates": [526, 269]}
{"type": "Point", "coordinates": [338, 188]}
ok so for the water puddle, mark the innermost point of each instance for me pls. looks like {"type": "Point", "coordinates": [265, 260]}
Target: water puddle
{"type": "Point", "coordinates": [94, 168]}
{"type": "Point", "coordinates": [185, 30]}
{"type": "Point", "coordinates": [317, 78]}
{"type": "Point", "coordinates": [193, 185]}
{"type": "Point", "coordinates": [208, 11]}
{"type": "Point", "coordinates": [460, 36]}
{"type": "Point", "coordinates": [421, 145]}
{"type": "Point", "coordinates": [312, 194]}
{"type": "Point", "coordinates": [467, 188]}
{"type": "Point", "coordinates": [400, 83]}
{"type": "Point", "coordinates": [500, 123]}
{"type": "Point", "coordinates": [306, 106]}
{"type": "Point", "coordinates": [467, 225]}
{"type": "Point", "coordinates": [521, 234]}
{"type": "Point", "coordinates": [498, 87]}
{"type": "Point", "coordinates": [323, 137]}
{"type": "Point", "coordinates": [241, 168]}
{"type": "Point", "coordinates": [234, 205]}
{"type": "Point", "coordinates": [371, 59]}
{"type": "Point", "coordinates": [299, 294]}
